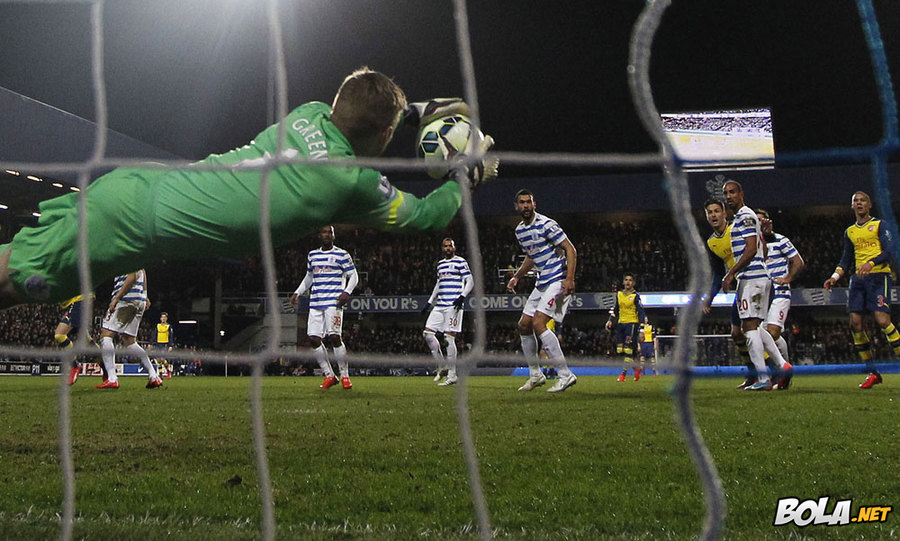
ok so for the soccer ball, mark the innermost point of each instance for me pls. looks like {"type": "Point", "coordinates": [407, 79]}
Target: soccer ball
{"type": "Point", "coordinates": [440, 141]}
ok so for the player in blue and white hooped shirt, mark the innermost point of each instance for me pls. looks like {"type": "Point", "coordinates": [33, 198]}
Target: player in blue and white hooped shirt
{"type": "Point", "coordinates": [454, 283]}
{"type": "Point", "coordinates": [549, 251]}
{"type": "Point", "coordinates": [330, 278]}
{"type": "Point", "coordinates": [784, 263]}
{"type": "Point", "coordinates": [754, 286]}
{"type": "Point", "coordinates": [123, 318]}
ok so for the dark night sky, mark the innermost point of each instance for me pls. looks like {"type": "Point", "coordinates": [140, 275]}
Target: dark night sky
{"type": "Point", "coordinates": [190, 76]}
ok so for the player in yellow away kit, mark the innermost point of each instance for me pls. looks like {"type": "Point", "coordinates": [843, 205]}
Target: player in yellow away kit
{"type": "Point", "coordinates": [627, 316]}
{"type": "Point", "coordinates": [867, 246]}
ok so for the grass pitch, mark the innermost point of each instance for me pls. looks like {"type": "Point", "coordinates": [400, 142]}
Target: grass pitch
{"type": "Point", "coordinates": [604, 460]}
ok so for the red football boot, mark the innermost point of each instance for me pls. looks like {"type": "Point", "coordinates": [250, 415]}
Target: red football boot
{"type": "Point", "coordinates": [871, 380]}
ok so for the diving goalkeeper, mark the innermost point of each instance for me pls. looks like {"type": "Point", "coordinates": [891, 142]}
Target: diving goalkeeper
{"type": "Point", "coordinates": [139, 216]}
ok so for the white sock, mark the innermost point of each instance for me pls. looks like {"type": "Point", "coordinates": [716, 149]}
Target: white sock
{"type": "Point", "coordinates": [451, 355]}
{"type": "Point", "coordinates": [756, 348]}
{"type": "Point", "coordinates": [529, 348]}
{"type": "Point", "coordinates": [108, 353]}
{"type": "Point", "coordinates": [435, 348]}
{"type": "Point", "coordinates": [550, 343]}
{"type": "Point", "coordinates": [340, 355]}
{"type": "Point", "coordinates": [782, 347]}
{"type": "Point", "coordinates": [136, 350]}
{"type": "Point", "coordinates": [322, 358]}
{"type": "Point", "coordinates": [771, 347]}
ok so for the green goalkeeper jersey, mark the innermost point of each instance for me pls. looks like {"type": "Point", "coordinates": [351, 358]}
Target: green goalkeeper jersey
{"type": "Point", "coordinates": [137, 217]}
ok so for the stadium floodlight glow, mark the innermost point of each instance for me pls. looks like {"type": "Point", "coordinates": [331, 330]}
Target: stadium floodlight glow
{"type": "Point", "coordinates": [34, 178]}
{"type": "Point", "coordinates": [75, 188]}
{"type": "Point", "coordinates": [3, 207]}
{"type": "Point", "coordinates": [36, 214]}
{"type": "Point", "coordinates": [14, 173]}
{"type": "Point", "coordinates": [187, 322]}
{"type": "Point", "coordinates": [57, 185]}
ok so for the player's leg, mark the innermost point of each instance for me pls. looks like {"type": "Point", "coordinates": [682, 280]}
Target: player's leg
{"type": "Point", "coordinates": [315, 330]}
{"type": "Point", "coordinates": [859, 302]}
{"type": "Point", "coordinates": [452, 327]}
{"type": "Point", "coordinates": [740, 344]}
{"type": "Point", "coordinates": [775, 322]}
{"type": "Point", "coordinates": [452, 354]}
{"type": "Point", "coordinates": [525, 326]}
{"type": "Point", "coordinates": [334, 328]}
{"type": "Point", "coordinates": [628, 348]}
{"type": "Point", "coordinates": [61, 336]}
{"type": "Point", "coordinates": [750, 328]}
{"type": "Point", "coordinates": [879, 290]}
{"type": "Point", "coordinates": [133, 349]}
{"type": "Point", "coordinates": [536, 378]}
{"type": "Point", "coordinates": [889, 329]}
{"type": "Point", "coordinates": [340, 357]}
{"type": "Point", "coordinates": [751, 317]}
{"type": "Point", "coordinates": [8, 295]}
{"type": "Point", "coordinates": [639, 364]}
{"type": "Point", "coordinates": [432, 325]}
{"type": "Point", "coordinates": [621, 336]}
{"type": "Point", "coordinates": [864, 350]}
{"type": "Point", "coordinates": [553, 304]}
{"type": "Point", "coordinates": [108, 354]}
{"type": "Point", "coordinates": [128, 337]}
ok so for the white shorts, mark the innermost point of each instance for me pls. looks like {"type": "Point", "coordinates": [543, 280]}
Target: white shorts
{"type": "Point", "coordinates": [753, 298]}
{"type": "Point", "coordinates": [324, 322]}
{"type": "Point", "coordinates": [445, 319]}
{"type": "Point", "coordinates": [778, 311]}
{"type": "Point", "coordinates": [126, 319]}
{"type": "Point", "coordinates": [550, 301]}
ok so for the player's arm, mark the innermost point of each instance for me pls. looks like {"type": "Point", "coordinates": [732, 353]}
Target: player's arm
{"type": "Point", "coordinates": [130, 279]}
{"type": "Point", "coordinates": [795, 265]}
{"type": "Point", "coordinates": [527, 265]}
{"type": "Point", "coordinates": [352, 278]}
{"type": "Point", "coordinates": [432, 299]}
{"type": "Point", "coordinates": [750, 247]}
{"type": "Point", "coordinates": [613, 315]}
{"type": "Point", "coordinates": [846, 257]}
{"type": "Point", "coordinates": [377, 203]}
{"type": "Point", "coordinates": [571, 263]}
{"type": "Point", "coordinates": [302, 288]}
{"type": "Point", "coordinates": [146, 290]}
{"type": "Point", "coordinates": [639, 306]}
{"type": "Point", "coordinates": [468, 285]}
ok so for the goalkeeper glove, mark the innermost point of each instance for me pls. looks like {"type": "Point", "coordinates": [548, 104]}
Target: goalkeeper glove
{"type": "Point", "coordinates": [420, 113]}
{"type": "Point", "coordinates": [485, 169]}
{"type": "Point", "coordinates": [458, 303]}
{"type": "Point", "coordinates": [426, 309]}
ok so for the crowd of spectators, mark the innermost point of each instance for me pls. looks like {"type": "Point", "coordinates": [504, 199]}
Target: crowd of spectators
{"type": "Point", "coordinates": [728, 122]}
{"type": "Point", "coordinates": [647, 245]}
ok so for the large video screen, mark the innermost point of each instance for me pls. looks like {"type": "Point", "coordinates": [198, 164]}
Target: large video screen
{"type": "Point", "coordinates": [716, 139]}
